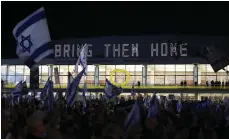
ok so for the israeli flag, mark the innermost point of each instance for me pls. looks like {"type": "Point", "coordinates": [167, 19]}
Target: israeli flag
{"type": "Point", "coordinates": [111, 90]}
{"type": "Point", "coordinates": [16, 93]}
{"type": "Point", "coordinates": [153, 108]}
{"type": "Point", "coordinates": [76, 66]}
{"type": "Point", "coordinates": [133, 117]}
{"type": "Point", "coordinates": [83, 58]}
{"type": "Point", "coordinates": [179, 106]}
{"type": "Point", "coordinates": [72, 92]}
{"type": "Point", "coordinates": [32, 35]}
{"type": "Point", "coordinates": [84, 97]}
{"type": "Point", "coordinates": [44, 93]}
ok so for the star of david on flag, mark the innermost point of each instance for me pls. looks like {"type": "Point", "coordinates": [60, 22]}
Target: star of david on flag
{"type": "Point", "coordinates": [33, 38]}
{"type": "Point", "coordinates": [26, 43]}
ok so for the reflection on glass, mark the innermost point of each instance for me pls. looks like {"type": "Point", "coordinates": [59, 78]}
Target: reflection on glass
{"type": "Point", "coordinates": [27, 70]}
{"type": "Point", "coordinates": [170, 69]}
{"type": "Point", "coordinates": [120, 67]}
{"type": "Point", "coordinates": [159, 80]}
{"type": "Point", "coordinates": [63, 70]}
{"type": "Point", "coordinates": [43, 79]}
{"type": "Point", "coordinates": [102, 69]}
{"type": "Point", "coordinates": [170, 80]}
{"type": "Point", "coordinates": [150, 80]}
{"type": "Point", "coordinates": [179, 79]}
{"type": "Point", "coordinates": [210, 71]}
{"type": "Point", "coordinates": [150, 69]}
{"type": "Point", "coordinates": [180, 69]}
{"type": "Point", "coordinates": [44, 70]}
{"type": "Point", "coordinates": [90, 70]}
{"type": "Point", "coordinates": [138, 69]}
{"type": "Point", "coordinates": [3, 70]}
{"type": "Point", "coordinates": [90, 80]}
{"type": "Point", "coordinates": [11, 79]}
{"type": "Point", "coordinates": [189, 80]}
{"type": "Point", "coordinates": [11, 69]}
{"type": "Point", "coordinates": [3, 77]}
{"type": "Point", "coordinates": [159, 69]}
{"type": "Point", "coordinates": [109, 68]}
{"type": "Point", "coordinates": [19, 70]}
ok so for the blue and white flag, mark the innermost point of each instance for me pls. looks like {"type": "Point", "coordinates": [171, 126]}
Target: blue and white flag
{"type": "Point", "coordinates": [70, 79]}
{"type": "Point", "coordinates": [111, 90]}
{"type": "Point", "coordinates": [83, 58]}
{"type": "Point", "coordinates": [133, 117]}
{"type": "Point", "coordinates": [16, 93]}
{"type": "Point", "coordinates": [72, 89]}
{"type": "Point", "coordinates": [75, 70]}
{"type": "Point", "coordinates": [84, 96]}
{"type": "Point", "coordinates": [153, 109]}
{"type": "Point", "coordinates": [179, 106]}
{"type": "Point", "coordinates": [44, 93]}
{"type": "Point", "coordinates": [32, 35]}
{"type": "Point", "coordinates": [47, 95]}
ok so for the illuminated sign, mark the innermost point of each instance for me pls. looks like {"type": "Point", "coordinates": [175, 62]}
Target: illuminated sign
{"type": "Point", "coordinates": [121, 47]}
{"type": "Point", "coordinates": [122, 50]}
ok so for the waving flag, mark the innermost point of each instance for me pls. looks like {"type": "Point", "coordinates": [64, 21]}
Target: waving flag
{"type": "Point", "coordinates": [84, 97]}
{"type": "Point", "coordinates": [47, 94]}
{"type": "Point", "coordinates": [179, 105]}
{"type": "Point", "coordinates": [153, 109]}
{"type": "Point", "coordinates": [76, 66]}
{"type": "Point", "coordinates": [32, 37]}
{"type": "Point", "coordinates": [83, 58]}
{"type": "Point", "coordinates": [16, 93]}
{"type": "Point", "coordinates": [44, 92]}
{"type": "Point", "coordinates": [133, 117]}
{"type": "Point", "coordinates": [111, 90]}
{"type": "Point", "coordinates": [70, 79]}
{"type": "Point", "coordinates": [72, 92]}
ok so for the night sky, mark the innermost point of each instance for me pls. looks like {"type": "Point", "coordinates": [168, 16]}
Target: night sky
{"type": "Point", "coordinates": [89, 19]}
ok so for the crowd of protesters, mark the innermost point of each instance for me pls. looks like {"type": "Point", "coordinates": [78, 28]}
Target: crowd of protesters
{"type": "Point", "coordinates": [105, 120]}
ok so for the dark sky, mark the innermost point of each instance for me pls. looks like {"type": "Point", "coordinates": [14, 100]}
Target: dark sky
{"type": "Point", "coordinates": [88, 19]}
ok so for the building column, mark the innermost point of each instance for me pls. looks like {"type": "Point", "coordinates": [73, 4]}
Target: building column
{"type": "Point", "coordinates": [96, 75]}
{"type": "Point", "coordinates": [50, 71]}
{"type": "Point", "coordinates": [195, 74]}
{"type": "Point", "coordinates": [144, 75]}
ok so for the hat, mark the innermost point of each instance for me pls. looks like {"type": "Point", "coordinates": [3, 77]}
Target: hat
{"type": "Point", "coordinates": [35, 118]}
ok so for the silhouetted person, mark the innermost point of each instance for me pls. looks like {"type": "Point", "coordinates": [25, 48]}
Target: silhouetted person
{"type": "Point", "coordinates": [185, 83]}
{"type": "Point", "coordinates": [219, 83]}
{"type": "Point", "coordinates": [181, 84]}
{"type": "Point", "coordinates": [139, 84]}
{"type": "Point", "coordinates": [196, 84]}
{"type": "Point", "coordinates": [223, 84]}
{"type": "Point", "coordinates": [216, 83]}
{"type": "Point", "coordinates": [207, 84]}
{"type": "Point", "coordinates": [212, 83]}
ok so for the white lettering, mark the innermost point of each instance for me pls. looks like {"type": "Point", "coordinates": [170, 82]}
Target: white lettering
{"type": "Point", "coordinates": [89, 53]}
{"type": "Point", "coordinates": [125, 50]}
{"type": "Point", "coordinates": [116, 50]}
{"type": "Point", "coordinates": [135, 50]}
{"type": "Point", "coordinates": [173, 49]}
{"type": "Point", "coordinates": [73, 50]}
{"type": "Point", "coordinates": [154, 49]}
{"type": "Point", "coordinates": [164, 45]}
{"type": "Point", "coordinates": [183, 50]}
{"type": "Point", "coordinates": [66, 50]}
{"type": "Point", "coordinates": [57, 50]}
{"type": "Point", "coordinates": [107, 49]}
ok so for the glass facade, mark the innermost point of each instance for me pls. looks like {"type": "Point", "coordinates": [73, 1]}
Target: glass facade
{"type": "Point", "coordinates": [155, 74]}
